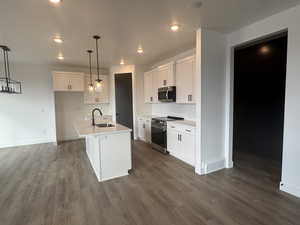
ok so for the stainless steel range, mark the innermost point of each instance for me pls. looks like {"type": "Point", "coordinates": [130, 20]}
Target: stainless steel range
{"type": "Point", "coordinates": [159, 132]}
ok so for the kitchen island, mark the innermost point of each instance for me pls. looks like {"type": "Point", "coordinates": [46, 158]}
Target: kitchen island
{"type": "Point", "coordinates": [108, 148]}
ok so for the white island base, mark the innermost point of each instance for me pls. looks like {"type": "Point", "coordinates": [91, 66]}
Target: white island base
{"type": "Point", "coordinates": [110, 155]}
{"type": "Point", "coordinates": [108, 149]}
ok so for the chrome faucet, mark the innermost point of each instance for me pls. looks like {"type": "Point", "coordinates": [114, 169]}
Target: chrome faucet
{"type": "Point", "coordinates": [93, 115]}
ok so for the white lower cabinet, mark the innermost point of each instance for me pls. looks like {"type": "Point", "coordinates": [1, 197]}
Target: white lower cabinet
{"type": "Point", "coordinates": [109, 155]}
{"type": "Point", "coordinates": [144, 129]}
{"type": "Point", "coordinates": [141, 129]}
{"type": "Point", "coordinates": [181, 142]}
{"type": "Point", "coordinates": [148, 130]}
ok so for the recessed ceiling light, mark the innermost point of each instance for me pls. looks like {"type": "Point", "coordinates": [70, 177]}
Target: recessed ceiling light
{"type": "Point", "coordinates": [122, 62]}
{"type": "Point", "coordinates": [60, 57]}
{"type": "Point", "coordinates": [140, 50]}
{"type": "Point", "coordinates": [174, 27]}
{"type": "Point", "coordinates": [58, 40]}
{"type": "Point", "coordinates": [55, 1]}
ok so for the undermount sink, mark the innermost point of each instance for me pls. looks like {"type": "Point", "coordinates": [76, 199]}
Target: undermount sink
{"type": "Point", "coordinates": [104, 125]}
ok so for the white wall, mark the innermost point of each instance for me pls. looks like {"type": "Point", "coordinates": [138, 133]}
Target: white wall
{"type": "Point", "coordinates": [288, 19]}
{"type": "Point", "coordinates": [70, 107]}
{"type": "Point", "coordinates": [187, 111]}
{"type": "Point", "coordinates": [210, 70]}
{"type": "Point", "coordinates": [28, 118]}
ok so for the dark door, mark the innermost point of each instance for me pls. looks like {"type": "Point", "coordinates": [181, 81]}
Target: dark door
{"type": "Point", "coordinates": [124, 107]}
{"type": "Point", "coordinates": [259, 97]}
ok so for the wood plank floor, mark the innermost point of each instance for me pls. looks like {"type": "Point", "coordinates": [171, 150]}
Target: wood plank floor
{"type": "Point", "coordinates": [55, 185]}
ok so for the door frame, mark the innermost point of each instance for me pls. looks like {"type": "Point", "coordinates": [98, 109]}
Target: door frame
{"type": "Point", "coordinates": [230, 93]}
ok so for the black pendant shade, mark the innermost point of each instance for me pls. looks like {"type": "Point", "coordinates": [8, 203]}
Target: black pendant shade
{"type": "Point", "coordinates": [7, 85]}
{"type": "Point", "coordinates": [90, 63]}
{"type": "Point", "coordinates": [96, 37]}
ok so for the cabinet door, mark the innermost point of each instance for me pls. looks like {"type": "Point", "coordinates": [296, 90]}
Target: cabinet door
{"type": "Point", "coordinates": [185, 80]}
{"type": "Point", "coordinates": [173, 142]}
{"type": "Point", "coordinates": [155, 81]}
{"type": "Point", "coordinates": [141, 129]}
{"type": "Point", "coordinates": [193, 90]}
{"type": "Point", "coordinates": [60, 81]}
{"type": "Point", "coordinates": [162, 76]}
{"type": "Point", "coordinates": [148, 130]}
{"type": "Point", "coordinates": [188, 148]}
{"type": "Point", "coordinates": [115, 155]}
{"type": "Point", "coordinates": [76, 82]}
{"type": "Point", "coordinates": [148, 87]}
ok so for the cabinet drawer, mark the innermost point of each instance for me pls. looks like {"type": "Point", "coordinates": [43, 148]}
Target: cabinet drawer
{"type": "Point", "coordinates": [182, 128]}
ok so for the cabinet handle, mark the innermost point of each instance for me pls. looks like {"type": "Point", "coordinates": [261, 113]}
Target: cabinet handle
{"type": "Point", "coordinates": [172, 127]}
{"type": "Point", "coordinates": [190, 98]}
{"type": "Point", "coordinates": [178, 137]}
{"type": "Point", "coordinates": [151, 99]}
{"type": "Point", "coordinates": [144, 126]}
{"type": "Point", "coordinates": [70, 87]}
{"type": "Point", "coordinates": [188, 130]}
{"type": "Point", "coordinates": [165, 82]}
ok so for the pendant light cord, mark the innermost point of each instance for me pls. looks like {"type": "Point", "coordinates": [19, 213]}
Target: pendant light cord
{"type": "Point", "coordinates": [8, 70]}
{"type": "Point", "coordinates": [97, 55]}
{"type": "Point", "coordinates": [90, 62]}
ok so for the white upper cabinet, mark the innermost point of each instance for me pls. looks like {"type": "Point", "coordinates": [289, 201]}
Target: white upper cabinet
{"type": "Point", "coordinates": [151, 87]}
{"type": "Point", "coordinates": [98, 95]}
{"type": "Point", "coordinates": [185, 80]}
{"type": "Point", "coordinates": [166, 75]}
{"type": "Point", "coordinates": [162, 76]}
{"type": "Point", "coordinates": [148, 90]}
{"type": "Point", "coordinates": [68, 81]}
{"type": "Point", "coordinates": [181, 74]}
{"type": "Point", "coordinates": [155, 85]}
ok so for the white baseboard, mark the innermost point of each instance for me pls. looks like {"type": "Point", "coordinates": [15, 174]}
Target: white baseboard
{"type": "Point", "coordinates": [229, 164]}
{"type": "Point", "coordinates": [199, 170]}
{"type": "Point", "coordinates": [214, 166]}
{"type": "Point", "coordinates": [293, 190]}
{"type": "Point", "coordinates": [28, 142]}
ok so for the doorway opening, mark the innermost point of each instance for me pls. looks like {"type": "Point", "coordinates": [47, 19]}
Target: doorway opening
{"type": "Point", "coordinates": [258, 110]}
{"type": "Point", "coordinates": [124, 101]}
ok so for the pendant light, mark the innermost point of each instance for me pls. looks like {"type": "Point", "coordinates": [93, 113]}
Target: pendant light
{"type": "Point", "coordinates": [98, 81]}
{"type": "Point", "coordinates": [7, 85]}
{"type": "Point", "coordinates": [91, 86]}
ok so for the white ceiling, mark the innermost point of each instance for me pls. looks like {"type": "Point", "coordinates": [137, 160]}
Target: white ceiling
{"type": "Point", "coordinates": [27, 26]}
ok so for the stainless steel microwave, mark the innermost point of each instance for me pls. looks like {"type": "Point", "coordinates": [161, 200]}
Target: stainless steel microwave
{"type": "Point", "coordinates": [167, 94]}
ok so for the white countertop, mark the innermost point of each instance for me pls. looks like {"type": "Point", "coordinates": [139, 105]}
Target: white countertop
{"type": "Point", "coordinates": [184, 122]}
{"type": "Point", "coordinates": [84, 128]}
